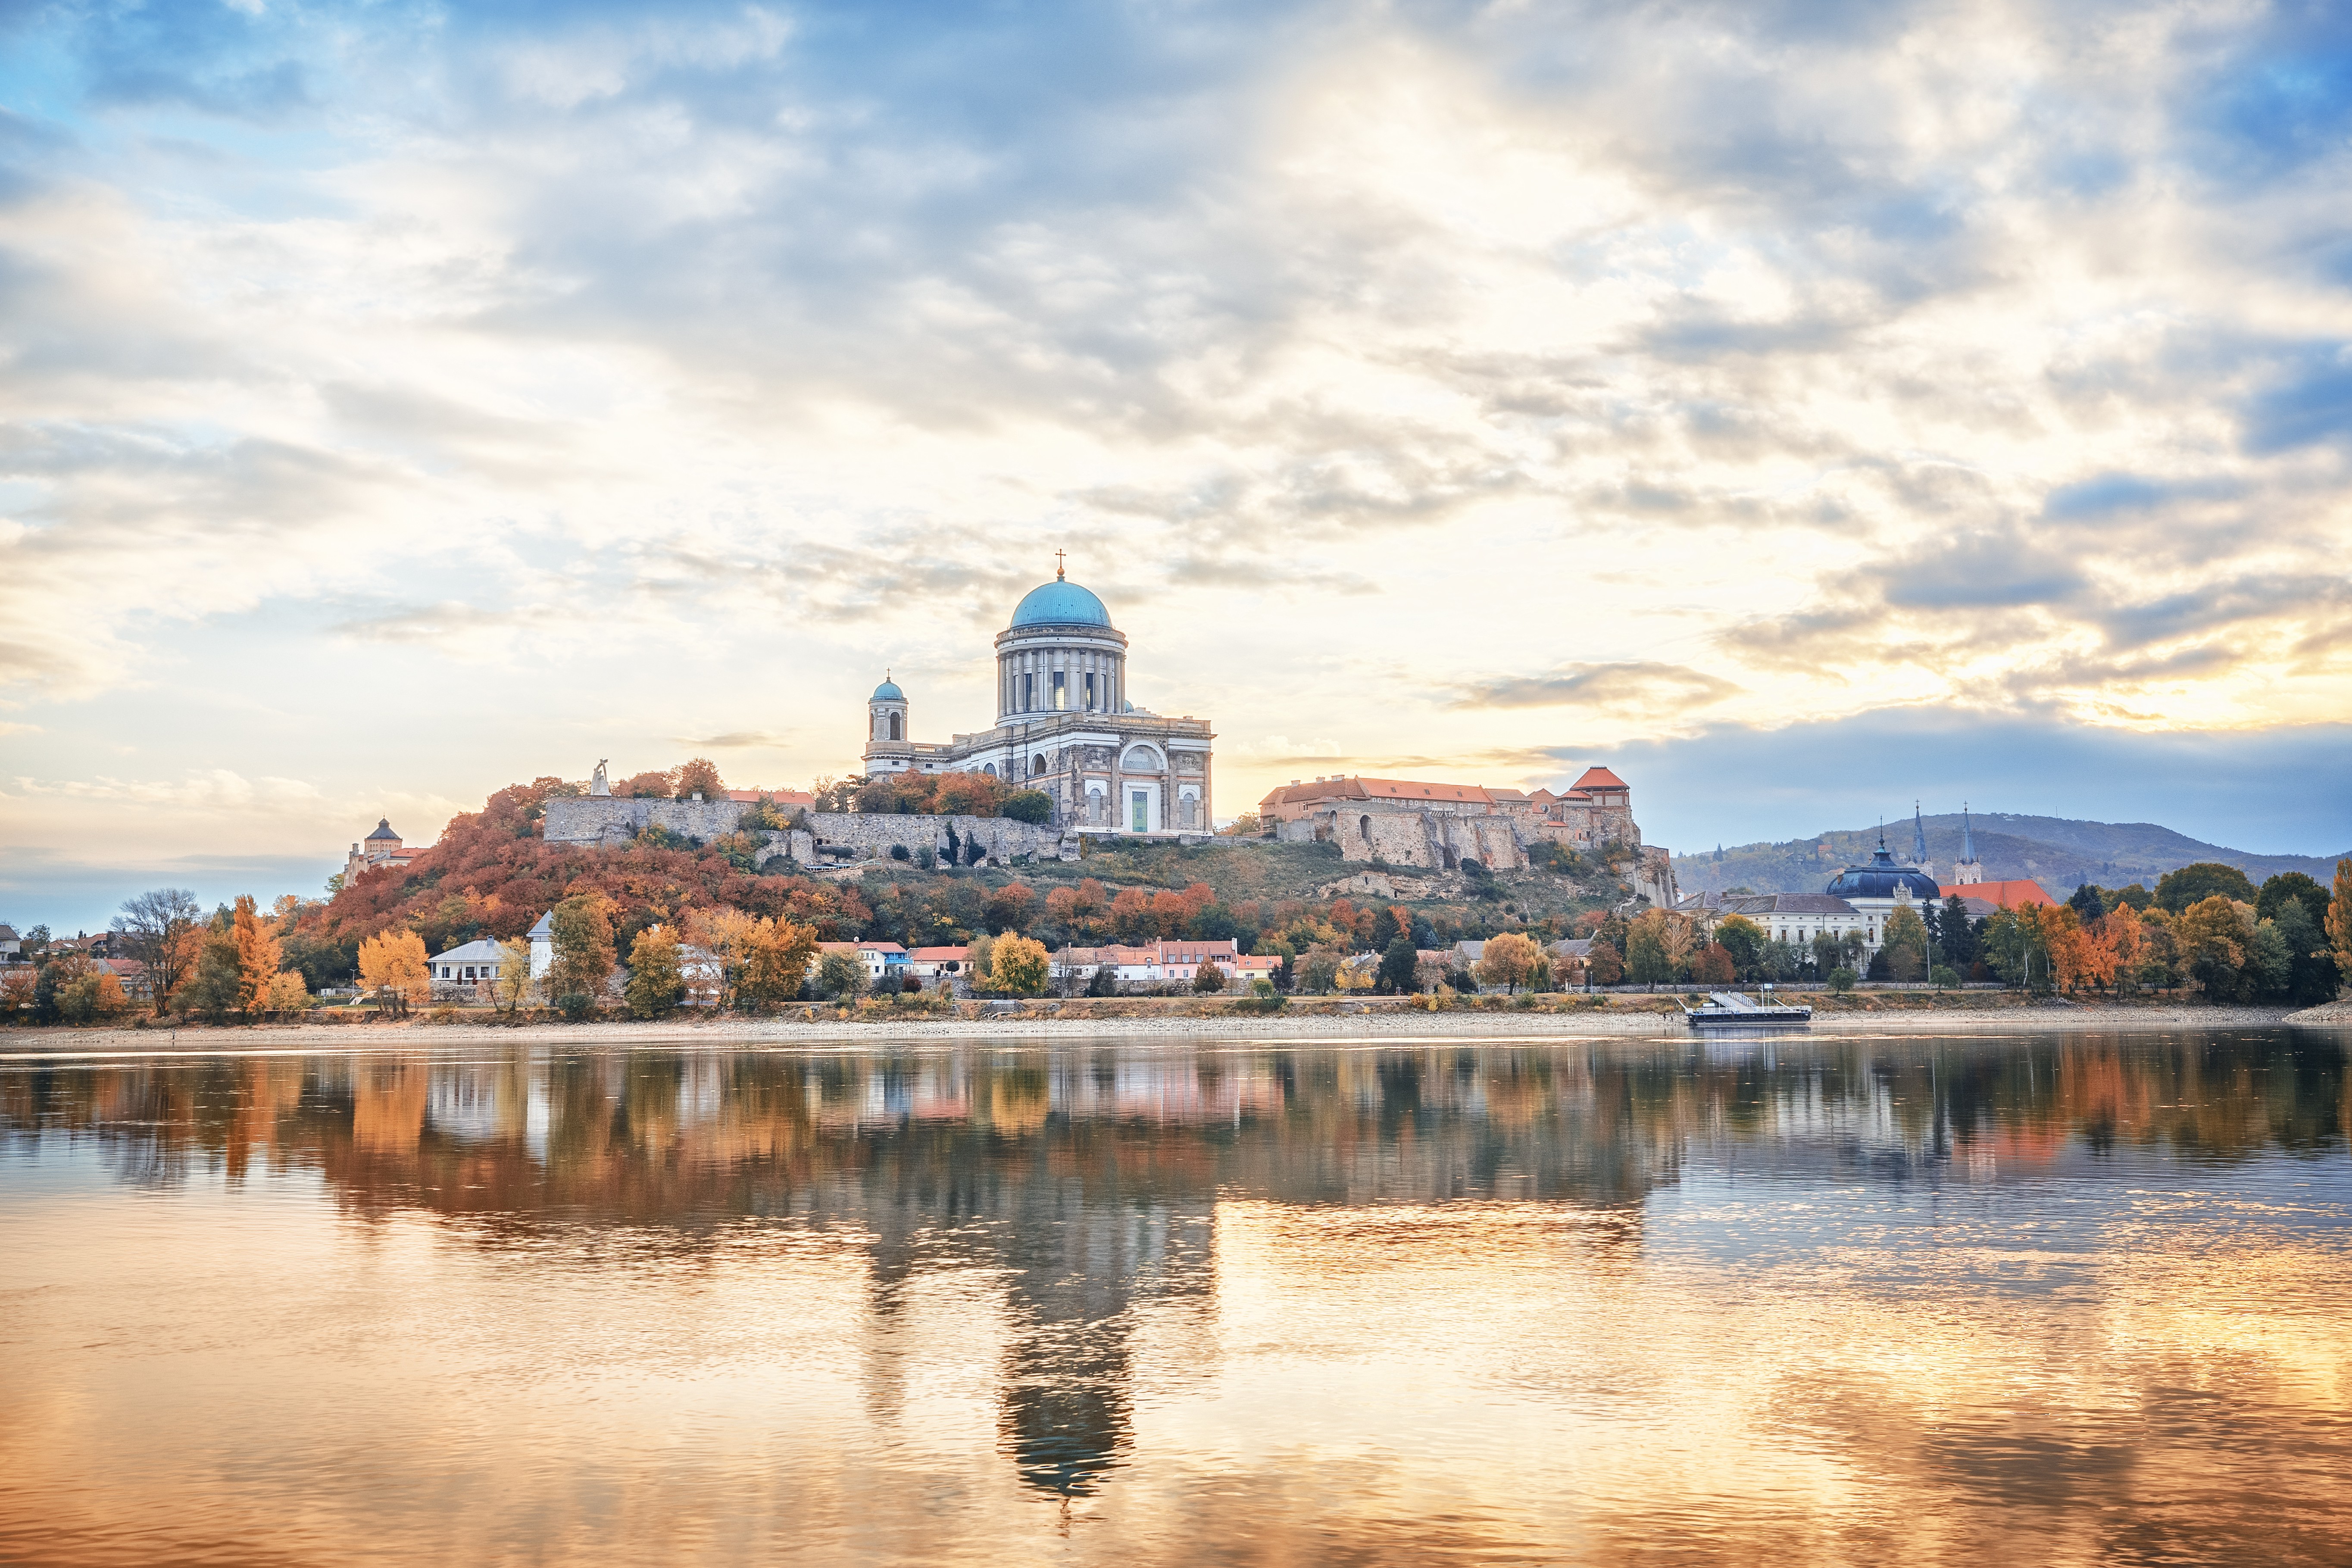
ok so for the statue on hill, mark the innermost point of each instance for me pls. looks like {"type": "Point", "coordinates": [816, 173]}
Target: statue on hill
{"type": "Point", "coordinates": [597, 783]}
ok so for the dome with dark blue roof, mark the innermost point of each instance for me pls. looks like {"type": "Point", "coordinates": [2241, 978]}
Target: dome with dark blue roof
{"type": "Point", "coordinates": [1060, 602]}
{"type": "Point", "coordinates": [888, 692]}
{"type": "Point", "coordinates": [1880, 878]}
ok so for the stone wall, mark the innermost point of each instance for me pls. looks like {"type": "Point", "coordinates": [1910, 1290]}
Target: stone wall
{"type": "Point", "coordinates": [614, 821]}
{"type": "Point", "coordinates": [1439, 841]}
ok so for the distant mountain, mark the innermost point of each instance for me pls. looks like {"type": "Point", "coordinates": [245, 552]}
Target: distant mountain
{"type": "Point", "coordinates": [2054, 851]}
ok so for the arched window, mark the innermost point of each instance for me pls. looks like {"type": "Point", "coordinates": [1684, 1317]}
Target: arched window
{"type": "Point", "coordinates": [988, 768]}
{"type": "Point", "coordinates": [1037, 765]}
{"type": "Point", "coordinates": [897, 727]}
{"type": "Point", "coordinates": [1364, 826]}
{"type": "Point", "coordinates": [1140, 760]}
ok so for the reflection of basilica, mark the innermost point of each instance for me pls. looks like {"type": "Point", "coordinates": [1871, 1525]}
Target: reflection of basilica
{"type": "Point", "coordinates": [1076, 1195]}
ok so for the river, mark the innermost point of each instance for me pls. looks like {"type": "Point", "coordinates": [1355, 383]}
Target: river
{"type": "Point", "coordinates": [2053, 1299]}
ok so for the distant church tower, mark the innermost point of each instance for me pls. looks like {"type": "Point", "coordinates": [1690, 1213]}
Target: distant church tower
{"type": "Point", "coordinates": [1967, 873]}
{"type": "Point", "coordinates": [1920, 841]}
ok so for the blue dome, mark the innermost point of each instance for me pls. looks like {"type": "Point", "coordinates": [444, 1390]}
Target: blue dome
{"type": "Point", "coordinates": [1880, 879]}
{"type": "Point", "coordinates": [1060, 604]}
{"type": "Point", "coordinates": [888, 692]}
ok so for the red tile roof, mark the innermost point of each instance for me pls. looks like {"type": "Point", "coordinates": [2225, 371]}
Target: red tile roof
{"type": "Point", "coordinates": [2014, 894]}
{"type": "Point", "coordinates": [1601, 778]}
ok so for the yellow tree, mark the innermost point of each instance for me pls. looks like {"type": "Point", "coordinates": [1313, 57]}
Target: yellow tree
{"type": "Point", "coordinates": [393, 966]}
{"type": "Point", "coordinates": [512, 986]}
{"type": "Point", "coordinates": [2119, 933]}
{"type": "Point", "coordinates": [1507, 961]}
{"type": "Point", "coordinates": [2211, 937]}
{"type": "Point", "coordinates": [776, 958]}
{"type": "Point", "coordinates": [287, 992]}
{"type": "Point", "coordinates": [258, 956]}
{"type": "Point", "coordinates": [657, 981]}
{"type": "Point", "coordinates": [1017, 965]}
{"type": "Point", "coordinates": [582, 927]}
{"type": "Point", "coordinates": [726, 934]}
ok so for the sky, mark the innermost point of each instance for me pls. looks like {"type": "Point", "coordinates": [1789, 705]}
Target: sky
{"type": "Point", "coordinates": [1810, 409]}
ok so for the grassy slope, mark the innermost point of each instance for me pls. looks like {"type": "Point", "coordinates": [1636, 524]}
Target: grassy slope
{"type": "Point", "coordinates": [2059, 853]}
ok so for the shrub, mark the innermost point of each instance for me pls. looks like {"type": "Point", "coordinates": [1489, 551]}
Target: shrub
{"type": "Point", "coordinates": [899, 852]}
{"type": "Point", "coordinates": [576, 1006]}
{"type": "Point", "coordinates": [1210, 978]}
{"type": "Point", "coordinates": [1031, 805]}
{"type": "Point", "coordinates": [1944, 975]}
{"type": "Point", "coordinates": [1842, 980]}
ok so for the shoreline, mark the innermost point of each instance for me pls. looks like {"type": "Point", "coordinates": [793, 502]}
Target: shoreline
{"type": "Point", "coordinates": [886, 1033]}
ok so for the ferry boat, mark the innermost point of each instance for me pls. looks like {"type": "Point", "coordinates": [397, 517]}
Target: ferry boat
{"type": "Point", "coordinates": [1730, 1009]}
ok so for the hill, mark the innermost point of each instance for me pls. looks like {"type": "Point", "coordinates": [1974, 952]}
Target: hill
{"type": "Point", "coordinates": [2058, 852]}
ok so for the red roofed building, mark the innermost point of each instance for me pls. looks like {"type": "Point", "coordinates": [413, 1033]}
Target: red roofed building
{"type": "Point", "coordinates": [2010, 895]}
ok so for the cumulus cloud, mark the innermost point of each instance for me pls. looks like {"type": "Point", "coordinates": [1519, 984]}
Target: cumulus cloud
{"type": "Point", "coordinates": [1665, 690]}
{"type": "Point", "coordinates": [1851, 356]}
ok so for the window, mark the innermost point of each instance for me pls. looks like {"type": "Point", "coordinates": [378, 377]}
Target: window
{"type": "Point", "coordinates": [1060, 690]}
{"type": "Point", "coordinates": [1139, 810]}
{"type": "Point", "coordinates": [1090, 690]}
{"type": "Point", "coordinates": [1028, 693]}
{"type": "Point", "coordinates": [1037, 765]}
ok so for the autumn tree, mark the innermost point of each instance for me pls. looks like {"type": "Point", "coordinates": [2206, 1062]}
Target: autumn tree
{"type": "Point", "coordinates": [1713, 966]}
{"type": "Point", "coordinates": [1602, 966]}
{"type": "Point", "coordinates": [1745, 941]}
{"type": "Point", "coordinates": [513, 985]}
{"type": "Point", "coordinates": [159, 930]}
{"type": "Point", "coordinates": [1647, 959]}
{"type": "Point", "coordinates": [1507, 961]}
{"type": "Point", "coordinates": [1018, 965]}
{"type": "Point", "coordinates": [2340, 919]}
{"type": "Point", "coordinates": [582, 926]}
{"type": "Point", "coordinates": [776, 958]}
{"type": "Point", "coordinates": [394, 967]}
{"type": "Point", "coordinates": [656, 978]}
{"type": "Point", "coordinates": [645, 786]}
{"type": "Point", "coordinates": [1208, 978]}
{"type": "Point", "coordinates": [215, 981]}
{"type": "Point", "coordinates": [725, 934]}
{"type": "Point", "coordinates": [288, 993]}
{"type": "Point", "coordinates": [1318, 967]}
{"type": "Point", "coordinates": [699, 776]}
{"type": "Point", "coordinates": [258, 956]}
{"type": "Point", "coordinates": [2211, 940]}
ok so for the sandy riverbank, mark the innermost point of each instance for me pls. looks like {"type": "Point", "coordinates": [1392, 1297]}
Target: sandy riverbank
{"type": "Point", "coordinates": [1382, 1023]}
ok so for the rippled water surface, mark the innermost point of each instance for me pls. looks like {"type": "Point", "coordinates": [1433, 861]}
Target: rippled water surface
{"type": "Point", "coordinates": [2066, 1299]}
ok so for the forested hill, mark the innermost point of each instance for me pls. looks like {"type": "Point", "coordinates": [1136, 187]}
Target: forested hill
{"type": "Point", "coordinates": [2054, 851]}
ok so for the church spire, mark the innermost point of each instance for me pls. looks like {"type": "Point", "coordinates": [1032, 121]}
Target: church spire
{"type": "Point", "coordinates": [1918, 836]}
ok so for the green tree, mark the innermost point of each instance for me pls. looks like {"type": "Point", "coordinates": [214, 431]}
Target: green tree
{"type": "Point", "coordinates": [1030, 806]}
{"type": "Point", "coordinates": [1745, 941]}
{"type": "Point", "coordinates": [1957, 934]}
{"type": "Point", "coordinates": [1841, 979]}
{"type": "Point", "coordinates": [656, 977]}
{"type": "Point", "coordinates": [585, 959]}
{"type": "Point", "coordinates": [2291, 887]}
{"type": "Point", "coordinates": [1647, 958]}
{"type": "Point", "coordinates": [2089, 902]}
{"type": "Point", "coordinates": [212, 990]}
{"type": "Point", "coordinates": [1318, 967]}
{"type": "Point", "coordinates": [2314, 976]}
{"type": "Point", "coordinates": [841, 974]}
{"type": "Point", "coordinates": [2270, 963]}
{"type": "Point", "coordinates": [2175, 890]}
{"type": "Point", "coordinates": [1397, 966]}
{"type": "Point", "coordinates": [1904, 944]}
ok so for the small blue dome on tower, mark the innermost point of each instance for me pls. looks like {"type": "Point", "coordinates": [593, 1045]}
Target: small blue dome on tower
{"type": "Point", "coordinates": [1060, 602]}
{"type": "Point", "coordinates": [888, 692]}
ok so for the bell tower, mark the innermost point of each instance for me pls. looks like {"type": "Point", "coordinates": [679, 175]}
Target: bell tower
{"type": "Point", "coordinates": [887, 748]}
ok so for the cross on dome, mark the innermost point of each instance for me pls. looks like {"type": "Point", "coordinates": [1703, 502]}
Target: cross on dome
{"type": "Point", "coordinates": [1059, 572]}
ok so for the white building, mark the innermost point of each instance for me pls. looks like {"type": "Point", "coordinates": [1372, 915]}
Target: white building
{"type": "Point", "coordinates": [474, 963]}
{"type": "Point", "coordinates": [1064, 725]}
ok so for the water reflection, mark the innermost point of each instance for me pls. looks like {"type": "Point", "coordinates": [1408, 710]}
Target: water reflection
{"type": "Point", "coordinates": [1105, 1221]}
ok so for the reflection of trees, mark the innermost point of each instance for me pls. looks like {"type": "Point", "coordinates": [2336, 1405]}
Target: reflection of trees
{"type": "Point", "coordinates": [1086, 1181]}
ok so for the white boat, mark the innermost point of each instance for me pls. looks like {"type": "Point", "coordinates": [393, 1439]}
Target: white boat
{"type": "Point", "coordinates": [1731, 1009]}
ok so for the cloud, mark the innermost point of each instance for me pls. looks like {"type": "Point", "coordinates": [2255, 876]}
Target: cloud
{"type": "Point", "coordinates": [1660, 690]}
{"type": "Point", "coordinates": [741, 740]}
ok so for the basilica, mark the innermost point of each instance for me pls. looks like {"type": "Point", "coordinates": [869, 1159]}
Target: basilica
{"type": "Point", "coordinates": [1064, 725]}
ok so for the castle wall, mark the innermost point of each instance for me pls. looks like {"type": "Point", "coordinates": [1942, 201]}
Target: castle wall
{"type": "Point", "coordinates": [614, 821]}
